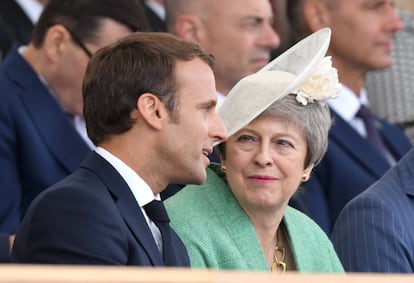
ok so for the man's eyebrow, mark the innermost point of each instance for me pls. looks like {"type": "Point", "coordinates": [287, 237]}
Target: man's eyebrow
{"type": "Point", "coordinates": [211, 103]}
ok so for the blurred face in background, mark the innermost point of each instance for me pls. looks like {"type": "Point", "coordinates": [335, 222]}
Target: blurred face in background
{"type": "Point", "coordinates": [240, 36]}
{"type": "Point", "coordinates": [362, 32]}
{"type": "Point", "coordinates": [71, 59]}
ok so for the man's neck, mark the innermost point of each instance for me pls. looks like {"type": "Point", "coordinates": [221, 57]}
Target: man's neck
{"type": "Point", "coordinates": [351, 77]}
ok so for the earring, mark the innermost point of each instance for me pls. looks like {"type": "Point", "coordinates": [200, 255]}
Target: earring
{"type": "Point", "coordinates": [223, 168]}
{"type": "Point", "coordinates": [304, 177]}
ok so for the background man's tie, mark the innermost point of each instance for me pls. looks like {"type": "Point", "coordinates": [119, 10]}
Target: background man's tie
{"type": "Point", "coordinates": [373, 135]}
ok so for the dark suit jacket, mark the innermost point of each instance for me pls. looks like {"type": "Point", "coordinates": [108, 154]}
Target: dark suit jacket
{"type": "Point", "coordinates": [349, 166]}
{"type": "Point", "coordinates": [90, 217]}
{"type": "Point", "coordinates": [38, 144]}
{"type": "Point", "coordinates": [15, 26]}
{"type": "Point", "coordinates": [375, 231]}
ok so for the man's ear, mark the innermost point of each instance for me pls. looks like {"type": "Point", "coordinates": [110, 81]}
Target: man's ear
{"type": "Point", "coordinates": [188, 27]}
{"type": "Point", "coordinates": [316, 14]}
{"type": "Point", "coordinates": [55, 41]}
{"type": "Point", "coordinates": [152, 110]}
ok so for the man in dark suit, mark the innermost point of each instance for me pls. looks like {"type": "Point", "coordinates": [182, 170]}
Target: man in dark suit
{"type": "Point", "coordinates": [42, 132]}
{"type": "Point", "coordinates": [375, 231]}
{"type": "Point", "coordinates": [361, 147]}
{"type": "Point", "coordinates": [149, 107]}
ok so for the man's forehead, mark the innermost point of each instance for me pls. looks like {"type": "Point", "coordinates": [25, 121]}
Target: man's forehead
{"type": "Point", "coordinates": [243, 8]}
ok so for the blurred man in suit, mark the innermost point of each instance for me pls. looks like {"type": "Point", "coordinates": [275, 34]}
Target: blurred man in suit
{"type": "Point", "coordinates": [42, 132]}
{"type": "Point", "coordinates": [149, 106]}
{"type": "Point", "coordinates": [362, 147]}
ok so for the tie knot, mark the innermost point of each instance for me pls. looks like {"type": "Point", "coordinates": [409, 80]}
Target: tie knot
{"type": "Point", "coordinates": [364, 113]}
{"type": "Point", "coordinates": [156, 211]}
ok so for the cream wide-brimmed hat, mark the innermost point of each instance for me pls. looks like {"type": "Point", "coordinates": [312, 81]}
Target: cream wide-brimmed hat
{"type": "Point", "coordinates": [302, 70]}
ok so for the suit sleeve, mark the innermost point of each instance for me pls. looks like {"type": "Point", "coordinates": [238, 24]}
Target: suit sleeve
{"type": "Point", "coordinates": [368, 236]}
{"type": "Point", "coordinates": [71, 227]}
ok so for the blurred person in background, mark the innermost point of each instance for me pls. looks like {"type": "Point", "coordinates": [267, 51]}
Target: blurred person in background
{"type": "Point", "coordinates": [362, 146]}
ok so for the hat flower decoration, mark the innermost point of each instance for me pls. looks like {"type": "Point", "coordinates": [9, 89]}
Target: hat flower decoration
{"type": "Point", "coordinates": [302, 70]}
{"type": "Point", "coordinates": [323, 85]}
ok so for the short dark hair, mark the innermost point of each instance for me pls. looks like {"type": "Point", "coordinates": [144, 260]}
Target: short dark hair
{"type": "Point", "coordinates": [83, 17]}
{"type": "Point", "coordinates": [143, 62]}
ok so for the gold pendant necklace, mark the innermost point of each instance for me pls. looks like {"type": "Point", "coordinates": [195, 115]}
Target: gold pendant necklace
{"type": "Point", "coordinates": [279, 257]}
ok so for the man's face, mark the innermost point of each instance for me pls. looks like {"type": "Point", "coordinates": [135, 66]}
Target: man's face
{"type": "Point", "coordinates": [240, 36]}
{"type": "Point", "coordinates": [190, 138]}
{"type": "Point", "coordinates": [362, 32]}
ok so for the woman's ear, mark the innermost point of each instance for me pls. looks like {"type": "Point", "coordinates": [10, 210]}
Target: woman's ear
{"type": "Point", "coordinates": [316, 14]}
{"type": "Point", "coordinates": [307, 172]}
{"type": "Point", "coordinates": [152, 110]}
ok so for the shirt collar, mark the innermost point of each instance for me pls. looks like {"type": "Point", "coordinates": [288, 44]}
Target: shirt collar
{"type": "Point", "coordinates": [140, 189]}
{"type": "Point", "coordinates": [348, 103]}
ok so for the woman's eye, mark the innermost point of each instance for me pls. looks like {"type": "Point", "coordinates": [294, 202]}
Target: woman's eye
{"type": "Point", "coordinates": [284, 143]}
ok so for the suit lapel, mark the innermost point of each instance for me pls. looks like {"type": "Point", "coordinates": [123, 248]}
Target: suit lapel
{"type": "Point", "coordinates": [406, 173]}
{"type": "Point", "coordinates": [357, 147]}
{"type": "Point", "coordinates": [51, 122]}
{"type": "Point", "coordinates": [393, 139]}
{"type": "Point", "coordinates": [127, 205]}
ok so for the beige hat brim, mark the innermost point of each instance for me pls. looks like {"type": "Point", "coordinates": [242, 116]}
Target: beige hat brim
{"type": "Point", "coordinates": [255, 93]}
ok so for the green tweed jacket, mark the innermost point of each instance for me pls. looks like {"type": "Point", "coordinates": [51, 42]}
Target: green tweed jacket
{"type": "Point", "coordinates": [218, 234]}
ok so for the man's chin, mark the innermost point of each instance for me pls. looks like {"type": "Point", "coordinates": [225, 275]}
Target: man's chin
{"type": "Point", "coordinates": [196, 179]}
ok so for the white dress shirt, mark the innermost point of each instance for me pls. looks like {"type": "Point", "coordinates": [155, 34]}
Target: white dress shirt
{"type": "Point", "coordinates": [347, 106]}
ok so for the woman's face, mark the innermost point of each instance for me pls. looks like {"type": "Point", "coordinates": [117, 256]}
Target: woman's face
{"type": "Point", "coordinates": [265, 163]}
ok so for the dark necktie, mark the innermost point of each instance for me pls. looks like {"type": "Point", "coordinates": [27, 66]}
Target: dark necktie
{"type": "Point", "coordinates": [373, 135]}
{"type": "Point", "coordinates": [157, 213]}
